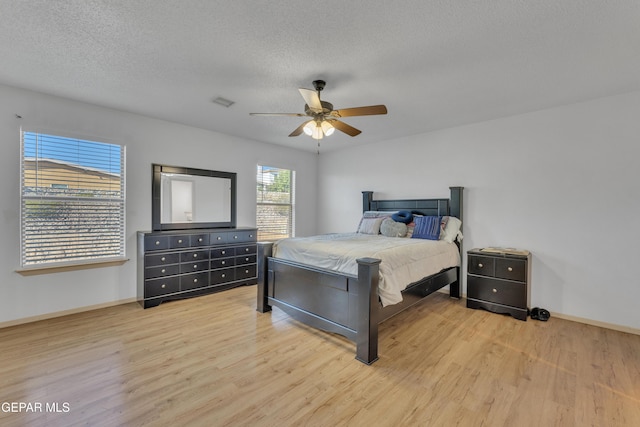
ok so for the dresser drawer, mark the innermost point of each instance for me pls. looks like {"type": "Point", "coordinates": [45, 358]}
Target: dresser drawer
{"type": "Point", "coordinates": [248, 259]}
{"type": "Point", "coordinates": [179, 241]}
{"type": "Point", "coordinates": [246, 272]}
{"type": "Point", "coordinates": [481, 265]}
{"type": "Point", "coordinates": [156, 243]}
{"type": "Point", "coordinates": [497, 291]}
{"type": "Point", "coordinates": [161, 271]}
{"type": "Point", "coordinates": [161, 259]}
{"type": "Point", "coordinates": [246, 250]}
{"type": "Point", "coordinates": [190, 256]}
{"type": "Point", "coordinates": [157, 287]}
{"type": "Point", "coordinates": [218, 238]}
{"type": "Point", "coordinates": [194, 280]}
{"type": "Point", "coordinates": [199, 240]}
{"type": "Point", "coordinates": [223, 252]}
{"type": "Point", "coordinates": [242, 236]}
{"type": "Point", "coordinates": [511, 269]}
{"type": "Point", "coordinates": [193, 266]}
{"type": "Point", "coordinates": [222, 263]}
{"type": "Point", "coordinates": [222, 275]}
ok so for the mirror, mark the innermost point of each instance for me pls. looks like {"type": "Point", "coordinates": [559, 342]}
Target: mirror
{"type": "Point", "coordinates": [185, 198]}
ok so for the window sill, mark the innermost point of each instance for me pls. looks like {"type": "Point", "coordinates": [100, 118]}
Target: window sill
{"type": "Point", "coordinates": [46, 269]}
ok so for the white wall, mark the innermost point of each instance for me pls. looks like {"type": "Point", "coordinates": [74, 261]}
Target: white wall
{"type": "Point", "coordinates": [148, 141]}
{"type": "Point", "coordinates": [563, 183]}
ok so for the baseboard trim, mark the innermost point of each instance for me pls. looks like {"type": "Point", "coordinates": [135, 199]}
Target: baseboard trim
{"type": "Point", "coordinates": [612, 326]}
{"type": "Point", "coordinates": [46, 316]}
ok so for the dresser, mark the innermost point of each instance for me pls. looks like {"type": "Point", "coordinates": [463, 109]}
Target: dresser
{"type": "Point", "coordinates": [182, 264]}
{"type": "Point", "coordinates": [499, 281]}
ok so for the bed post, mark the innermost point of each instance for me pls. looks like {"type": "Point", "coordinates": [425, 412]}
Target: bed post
{"type": "Point", "coordinates": [367, 197]}
{"type": "Point", "coordinates": [367, 332]}
{"type": "Point", "coordinates": [456, 209]}
{"type": "Point", "coordinates": [264, 252]}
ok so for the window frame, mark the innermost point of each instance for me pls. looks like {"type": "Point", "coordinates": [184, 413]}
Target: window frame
{"type": "Point", "coordinates": [260, 170]}
{"type": "Point", "coordinates": [31, 265]}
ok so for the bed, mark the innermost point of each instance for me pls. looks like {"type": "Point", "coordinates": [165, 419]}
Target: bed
{"type": "Point", "coordinates": [349, 302]}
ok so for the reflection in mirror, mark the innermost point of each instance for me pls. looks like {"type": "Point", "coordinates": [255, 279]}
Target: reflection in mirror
{"type": "Point", "coordinates": [192, 198]}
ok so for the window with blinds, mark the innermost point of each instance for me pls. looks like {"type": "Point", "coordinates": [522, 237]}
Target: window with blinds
{"type": "Point", "coordinates": [72, 200]}
{"type": "Point", "coordinates": [275, 217]}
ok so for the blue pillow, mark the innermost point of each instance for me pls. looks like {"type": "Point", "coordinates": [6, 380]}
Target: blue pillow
{"type": "Point", "coordinates": [427, 227]}
{"type": "Point", "coordinates": [402, 216]}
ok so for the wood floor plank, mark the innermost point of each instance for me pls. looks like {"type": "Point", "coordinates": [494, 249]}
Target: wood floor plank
{"type": "Point", "coordinates": [215, 360]}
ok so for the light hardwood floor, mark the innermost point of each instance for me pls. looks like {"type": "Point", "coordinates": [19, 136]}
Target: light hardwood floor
{"type": "Point", "coordinates": [215, 361]}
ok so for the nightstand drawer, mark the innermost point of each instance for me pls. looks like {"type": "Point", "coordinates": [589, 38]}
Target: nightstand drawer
{"type": "Point", "coordinates": [511, 269]}
{"type": "Point", "coordinates": [497, 291]}
{"type": "Point", "coordinates": [481, 265]}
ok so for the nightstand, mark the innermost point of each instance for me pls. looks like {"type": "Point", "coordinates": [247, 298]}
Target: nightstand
{"type": "Point", "coordinates": [499, 280]}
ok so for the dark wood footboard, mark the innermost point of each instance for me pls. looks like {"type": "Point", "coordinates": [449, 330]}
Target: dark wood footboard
{"type": "Point", "coordinates": [339, 303]}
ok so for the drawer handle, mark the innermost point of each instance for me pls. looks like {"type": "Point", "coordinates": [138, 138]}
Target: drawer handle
{"type": "Point", "coordinates": [179, 240]}
{"type": "Point", "coordinates": [246, 271]}
{"type": "Point", "coordinates": [163, 270]}
{"type": "Point", "coordinates": [246, 259]}
{"type": "Point", "coordinates": [246, 250]}
{"type": "Point", "coordinates": [223, 262]}
{"type": "Point", "coordinates": [163, 286]}
{"type": "Point", "coordinates": [494, 290]}
{"type": "Point", "coordinates": [510, 269]}
{"type": "Point", "coordinates": [235, 237]}
{"type": "Point", "coordinates": [195, 266]}
{"type": "Point", "coordinates": [224, 252]}
{"type": "Point", "coordinates": [195, 255]}
{"type": "Point", "coordinates": [223, 275]}
{"type": "Point", "coordinates": [250, 235]}
{"type": "Point", "coordinates": [219, 238]}
{"type": "Point", "coordinates": [157, 242]}
{"type": "Point", "coordinates": [163, 259]}
{"type": "Point", "coordinates": [200, 239]}
{"type": "Point", "coordinates": [480, 265]}
{"type": "Point", "coordinates": [195, 280]}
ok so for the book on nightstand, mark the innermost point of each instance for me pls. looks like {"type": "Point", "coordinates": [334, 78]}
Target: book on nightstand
{"type": "Point", "coordinates": [507, 251]}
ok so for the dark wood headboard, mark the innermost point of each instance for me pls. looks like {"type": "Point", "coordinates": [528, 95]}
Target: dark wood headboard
{"type": "Point", "coordinates": [437, 207]}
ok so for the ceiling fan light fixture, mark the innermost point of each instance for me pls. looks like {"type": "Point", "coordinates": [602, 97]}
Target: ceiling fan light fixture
{"type": "Point", "coordinates": [308, 128]}
{"type": "Point", "coordinates": [327, 128]}
{"type": "Point", "coordinates": [317, 132]}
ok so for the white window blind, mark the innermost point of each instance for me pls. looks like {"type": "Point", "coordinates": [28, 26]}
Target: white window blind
{"type": "Point", "coordinates": [72, 200]}
{"type": "Point", "coordinates": [275, 216]}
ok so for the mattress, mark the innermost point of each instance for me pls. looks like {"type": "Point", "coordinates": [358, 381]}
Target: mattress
{"type": "Point", "coordinates": [403, 260]}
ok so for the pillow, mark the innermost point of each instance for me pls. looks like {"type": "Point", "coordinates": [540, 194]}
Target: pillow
{"type": "Point", "coordinates": [427, 227]}
{"type": "Point", "coordinates": [451, 230]}
{"type": "Point", "coordinates": [391, 228]}
{"type": "Point", "coordinates": [374, 214]}
{"type": "Point", "coordinates": [370, 225]}
{"type": "Point", "coordinates": [404, 217]}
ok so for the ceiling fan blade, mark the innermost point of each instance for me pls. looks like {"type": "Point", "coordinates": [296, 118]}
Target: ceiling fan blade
{"type": "Point", "coordinates": [299, 129]}
{"type": "Point", "coordinates": [278, 114]}
{"type": "Point", "coordinates": [343, 127]}
{"type": "Point", "coordinates": [312, 99]}
{"type": "Point", "coordinates": [360, 111]}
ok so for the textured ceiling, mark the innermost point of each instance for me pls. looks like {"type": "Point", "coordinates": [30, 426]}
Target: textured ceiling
{"type": "Point", "coordinates": [434, 64]}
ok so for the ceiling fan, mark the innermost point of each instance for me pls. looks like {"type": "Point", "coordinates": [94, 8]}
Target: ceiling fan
{"type": "Point", "coordinates": [324, 119]}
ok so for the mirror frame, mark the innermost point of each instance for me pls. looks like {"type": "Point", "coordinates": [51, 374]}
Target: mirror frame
{"type": "Point", "coordinates": [156, 198]}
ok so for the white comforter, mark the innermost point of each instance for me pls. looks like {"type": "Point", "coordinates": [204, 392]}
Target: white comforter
{"type": "Point", "coordinates": [404, 260]}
